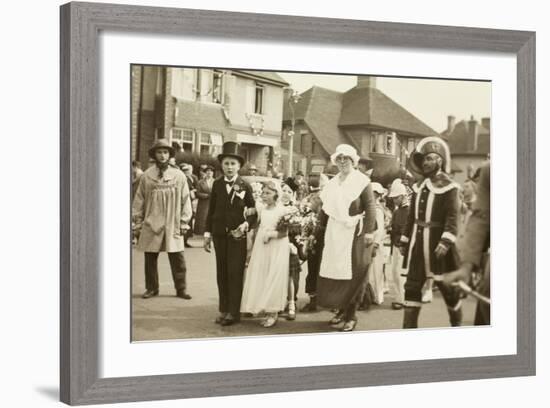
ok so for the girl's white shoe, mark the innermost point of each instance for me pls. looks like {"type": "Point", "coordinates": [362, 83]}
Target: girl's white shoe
{"type": "Point", "coordinates": [270, 321]}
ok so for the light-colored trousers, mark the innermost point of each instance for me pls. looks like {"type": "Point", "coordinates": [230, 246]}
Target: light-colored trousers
{"type": "Point", "coordinates": [376, 276]}
{"type": "Point", "coordinates": [398, 271]}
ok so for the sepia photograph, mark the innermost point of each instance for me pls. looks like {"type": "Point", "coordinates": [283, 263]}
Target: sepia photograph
{"type": "Point", "coordinates": [293, 203]}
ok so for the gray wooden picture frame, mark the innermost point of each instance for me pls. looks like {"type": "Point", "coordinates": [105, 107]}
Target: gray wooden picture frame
{"type": "Point", "coordinates": [81, 24]}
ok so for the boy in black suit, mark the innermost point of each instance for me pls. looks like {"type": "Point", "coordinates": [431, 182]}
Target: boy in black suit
{"type": "Point", "coordinates": [230, 214]}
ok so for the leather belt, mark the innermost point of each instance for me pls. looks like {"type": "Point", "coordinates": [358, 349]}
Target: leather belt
{"type": "Point", "coordinates": [431, 224]}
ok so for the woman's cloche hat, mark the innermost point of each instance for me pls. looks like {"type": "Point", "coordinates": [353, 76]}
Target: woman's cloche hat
{"type": "Point", "coordinates": [345, 150]}
{"type": "Point", "coordinates": [231, 149]}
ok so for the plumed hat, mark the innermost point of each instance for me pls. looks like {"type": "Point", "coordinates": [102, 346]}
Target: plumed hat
{"type": "Point", "coordinates": [433, 144]}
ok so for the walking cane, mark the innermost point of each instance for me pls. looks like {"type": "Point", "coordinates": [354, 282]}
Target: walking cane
{"type": "Point", "coordinates": [468, 290]}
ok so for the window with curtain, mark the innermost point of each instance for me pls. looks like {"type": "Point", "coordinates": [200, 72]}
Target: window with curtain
{"type": "Point", "coordinates": [183, 137]}
{"type": "Point", "coordinates": [210, 143]}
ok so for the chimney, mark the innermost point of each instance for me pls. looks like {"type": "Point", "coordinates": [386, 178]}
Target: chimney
{"type": "Point", "coordinates": [486, 123]}
{"type": "Point", "coordinates": [451, 120]}
{"type": "Point", "coordinates": [365, 81]}
{"type": "Point", "coordinates": [473, 132]}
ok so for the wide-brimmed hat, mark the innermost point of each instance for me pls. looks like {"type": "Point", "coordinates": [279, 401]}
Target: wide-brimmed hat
{"type": "Point", "coordinates": [345, 150]}
{"type": "Point", "coordinates": [185, 166]}
{"type": "Point", "coordinates": [433, 144]}
{"type": "Point", "coordinates": [377, 187]}
{"type": "Point", "coordinates": [164, 144]}
{"type": "Point", "coordinates": [397, 189]}
{"type": "Point", "coordinates": [231, 149]}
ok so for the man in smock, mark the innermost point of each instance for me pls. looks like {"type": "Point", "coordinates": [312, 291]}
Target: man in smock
{"type": "Point", "coordinates": [348, 214]}
{"type": "Point", "coordinates": [430, 234]}
{"type": "Point", "coordinates": [161, 213]}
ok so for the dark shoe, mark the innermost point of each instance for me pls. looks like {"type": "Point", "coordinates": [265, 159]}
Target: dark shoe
{"type": "Point", "coordinates": [349, 326]}
{"type": "Point", "coordinates": [187, 245]}
{"type": "Point", "coordinates": [220, 318]}
{"type": "Point", "coordinates": [396, 306]}
{"type": "Point", "coordinates": [337, 319]}
{"type": "Point", "coordinates": [228, 320]}
{"type": "Point", "coordinates": [150, 293]}
{"type": "Point", "coordinates": [410, 317]}
{"type": "Point", "coordinates": [455, 317]}
{"type": "Point", "coordinates": [311, 306]}
{"type": "Point", "coordinates": [183, 294]}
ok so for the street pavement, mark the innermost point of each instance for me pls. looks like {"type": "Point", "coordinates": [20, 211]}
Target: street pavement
{"type": "Point", "coordinates": [167, 317]}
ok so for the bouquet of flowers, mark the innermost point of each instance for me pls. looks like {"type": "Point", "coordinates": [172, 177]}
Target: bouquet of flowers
{"type": "Point", "coordinates": [291, 221]}
{"type": "Point", "coordinates": [309, 226]}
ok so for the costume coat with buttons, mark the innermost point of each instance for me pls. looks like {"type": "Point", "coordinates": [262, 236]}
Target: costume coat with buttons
{"type": "Point", "coordinates": [433, 219]}
{"type": "Point", "coordinates": [160, 208]}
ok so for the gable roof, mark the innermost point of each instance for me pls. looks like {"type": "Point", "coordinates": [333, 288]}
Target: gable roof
{"type": "Point", "coordinates": [325, 111]}
{"type": "Point", "coordinates": [370, 106]}
{"type": "Point", "coordinates": [266, 75]}
{"type": "Point", "coordinates": [320, 109]}
{"type": "Point", "coordinates": [460, 141]}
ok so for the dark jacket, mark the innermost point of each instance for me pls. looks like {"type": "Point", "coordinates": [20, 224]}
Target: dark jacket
{"type": "Point", "coordinates": [226, 214]}
{"type": "Point", "coordinates": [399, 224]}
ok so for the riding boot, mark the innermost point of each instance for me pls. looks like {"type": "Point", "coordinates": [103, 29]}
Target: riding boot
{"type": "Point", "coordinates": [455, 317]}
{"type": "Point", "coordinates": [410, 317]}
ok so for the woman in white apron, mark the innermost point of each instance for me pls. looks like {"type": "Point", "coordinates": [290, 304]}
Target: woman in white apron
{"type": "Point", "coordinates": [348, 214]}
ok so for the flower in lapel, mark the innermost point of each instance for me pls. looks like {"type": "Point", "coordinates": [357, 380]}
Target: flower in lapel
{"type": "Point", "coordinates": [238, 190]}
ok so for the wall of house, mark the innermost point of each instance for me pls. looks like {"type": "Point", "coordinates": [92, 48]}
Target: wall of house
{"type": "Point", "coordinates": [361, 138]}
{"type": "Point", "coordinates": [242, 97]}
{"type": "Point", "coordinates": [183, 81]}
{"type": "Point", "coordinates": [144, 122]}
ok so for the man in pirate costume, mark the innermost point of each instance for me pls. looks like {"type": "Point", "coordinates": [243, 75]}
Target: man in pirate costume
{"type": "Point", "coordinates": [429, 239]}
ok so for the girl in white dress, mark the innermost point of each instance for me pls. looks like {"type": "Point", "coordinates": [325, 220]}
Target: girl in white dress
{"type": "Point", "coordinates": [376, 267]}
{"type": "Point", "coordinates": [266, 281]}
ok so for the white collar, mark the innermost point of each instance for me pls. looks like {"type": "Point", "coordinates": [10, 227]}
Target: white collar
{"type": "Point", "coordinates": [337, 197]}
{"type": "Point", "coordinates": [230, 180]}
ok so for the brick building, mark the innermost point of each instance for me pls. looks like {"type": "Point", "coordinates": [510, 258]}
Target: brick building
{"type": "Point", "coordinates": [199, 109]}
{"type": "Point", "coordinates": [377, 126]}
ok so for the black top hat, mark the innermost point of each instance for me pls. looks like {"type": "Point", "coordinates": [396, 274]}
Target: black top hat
{"type": "Point", "coordinates": [164, 144]}
{"type": "Point", "coordinates": [231, 149]}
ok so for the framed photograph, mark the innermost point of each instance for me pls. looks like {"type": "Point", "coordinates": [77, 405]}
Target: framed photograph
{"type": "Point", "coordinates": [249, 200]}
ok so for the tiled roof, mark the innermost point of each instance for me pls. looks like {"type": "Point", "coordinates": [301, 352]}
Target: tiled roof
{"type": "Point", "coordinates": [271, 76]}
{"type": "Point", "coordinates": [460, 141]}
{"type": "Point", "coordinates": [320, 109]}
{"type": "Point", "coordinates": [371, 107]}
